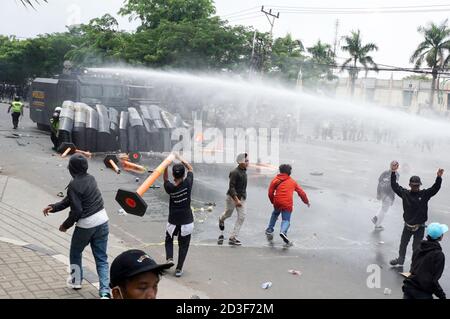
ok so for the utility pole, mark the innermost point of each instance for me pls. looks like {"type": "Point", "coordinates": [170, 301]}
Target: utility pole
{"type": "Point", "coordinates": [271, 17]}
{"type": "Point", "coordinates": [252, 60]}
{"type": "Point", "coordinates": [336, 37]}
{"type": "Point", "coordinates": [336, 42]}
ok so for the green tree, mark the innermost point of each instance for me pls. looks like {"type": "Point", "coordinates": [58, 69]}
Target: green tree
{"type": "Point", "coordinates": [98, 42]}
{"type": "Point", "coordinates": [319, 67]}
{"type": "Point", "coordinates": [286, 59]}
{"type": "Point", "coordinates": [433, 51]}
{"type": "Point", "coordinates": [200, 44]}
{"type": "Point", "coordinates": [358, 54]}
{"type": "Point", "coordinates": [183, 33]}
{"type": "Point", "coordinates": [153, 12]}
{"type": "Point", "coordinates": [421, 77]}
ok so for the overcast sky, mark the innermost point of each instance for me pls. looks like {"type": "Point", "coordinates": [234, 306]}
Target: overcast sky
{"type": "Point", "coordinates": [394, 33]}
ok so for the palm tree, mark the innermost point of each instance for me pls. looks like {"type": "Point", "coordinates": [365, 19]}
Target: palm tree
{"type": "Point", "coordinates": [432, 50]}
{"type": "Point", "coordinates": [358, 54]}
{"type": "Point", "coordinates": [30, 2]}
{"type": "Point", "coordinates": [322, 58]}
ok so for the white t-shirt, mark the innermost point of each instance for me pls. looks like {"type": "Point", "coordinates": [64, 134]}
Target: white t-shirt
{"type": "Point", "coordinates": [95, 220]}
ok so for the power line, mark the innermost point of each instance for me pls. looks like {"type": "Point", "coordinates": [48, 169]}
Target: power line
{"type": "Point", "coordinates": [245, 18]}
{"type": "Point", "coordinates": [239, 12]}
{"type": "Point", "coordinates": [388, 68]}
{"type": "Point", "coordinates": [362, 8]}
{"type": "Point", "coordinates": [349, 12]}
{"type": "Point", "coordinates": [241, 15]}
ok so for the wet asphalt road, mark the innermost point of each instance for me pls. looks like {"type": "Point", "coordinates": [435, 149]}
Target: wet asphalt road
{"type": "Point", "coordinates": [334, 239]}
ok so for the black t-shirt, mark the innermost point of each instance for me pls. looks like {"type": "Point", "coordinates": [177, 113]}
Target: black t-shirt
{"type": "Point", "coordinates": [180, 212]}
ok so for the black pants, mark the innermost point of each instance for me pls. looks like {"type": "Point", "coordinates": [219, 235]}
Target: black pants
{"type": "Point", "coordinates": [183, 246]}
{"type": "Point", "coordinates": [406, 237]}
{"type": "Point", "coordinates": [413, 293]}
{"type": "Point", "coordinates": [54, 139]}
{"type": "Point", "coordinates": [15, 119]}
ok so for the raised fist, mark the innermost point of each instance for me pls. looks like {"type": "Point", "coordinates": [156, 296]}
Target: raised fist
{"type": "Point", "coordinates": [394, 166]}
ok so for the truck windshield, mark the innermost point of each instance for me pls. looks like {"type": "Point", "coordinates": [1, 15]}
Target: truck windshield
{"type": "Point", "coordinates": [112, 91]}
{"type": "Point", "coordinates": [91, 91]}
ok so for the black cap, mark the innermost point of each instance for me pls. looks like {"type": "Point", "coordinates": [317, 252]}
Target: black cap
{"type": "Point", "coordinates": [178, 170]}
{"type": "Point", "coordinates": [415, 180]}
{"type": "Point", "coordinates": [131, 263]}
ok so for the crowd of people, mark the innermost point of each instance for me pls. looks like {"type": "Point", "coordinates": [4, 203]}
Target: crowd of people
{"type": "Point", "coordinates": [135, 274]}
{"type": "Point", "coordinates": [9, 91]}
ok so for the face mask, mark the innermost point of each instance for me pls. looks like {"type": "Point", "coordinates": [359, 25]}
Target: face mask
{"type": "Point", "coordinates": [120, 292]}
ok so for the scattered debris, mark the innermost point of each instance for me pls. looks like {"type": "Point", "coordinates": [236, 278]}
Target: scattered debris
{"type": "Point", "coordinates": [387, 291]}
{"type": "Point", "coordinates": [316, 173]}
{"type": "Point", "coordinates": [59, 165]}
{"type": "Point", "coordinates": [380, 242]}
{"type": "Point", "coordinates": [209, 209]}
{"type": "Point", "coordinates": [122, 212]}
{"type": "Point", "coordinates": [295, 272]}
{"type": "Point", "coordinates": [266, 285]}
{"type": "Point", "coordinates": [60, 194]}
{"type": "Point", "coordinates": [194, 297]}
{"type": "Point", "coordinates": [210, 204]}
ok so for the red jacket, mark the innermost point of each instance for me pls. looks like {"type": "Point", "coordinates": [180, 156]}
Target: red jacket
{"type": "Point", "coordinates": [281, 190]}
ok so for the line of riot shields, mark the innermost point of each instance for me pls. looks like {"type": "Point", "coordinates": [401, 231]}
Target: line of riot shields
{"type": "Point", "coordinates": [102, 129]}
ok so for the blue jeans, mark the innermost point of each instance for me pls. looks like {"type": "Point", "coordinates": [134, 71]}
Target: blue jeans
{"type": "Point", "coordinates": [97, 237]}
{"type": "Point", "coordinates": [285, 221]}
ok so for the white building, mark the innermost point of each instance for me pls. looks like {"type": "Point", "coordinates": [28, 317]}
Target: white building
{"type": "Point", "coordinates": [412, 94]}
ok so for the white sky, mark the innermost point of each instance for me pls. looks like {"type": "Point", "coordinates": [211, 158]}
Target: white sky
{"type": "Point", "coordinates": [394, 33]}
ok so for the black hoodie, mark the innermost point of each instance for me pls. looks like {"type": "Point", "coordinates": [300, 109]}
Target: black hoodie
{"type": "Point", "coordinates": [426, 269]}
{"type": "Point", "coordinates": [83, 195]}
{"type": "Point", "coordinates": [415, 204]}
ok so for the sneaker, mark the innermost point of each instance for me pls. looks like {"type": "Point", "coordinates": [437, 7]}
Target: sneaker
{"type": "Point", "coordinates": [379, 227]}
{"type": "Point", "coordinates": [374, 219]}
{"type": "Point", "coordinates": [170, 261]}
{"type": "Point", "coordinates": [178, 273]}
{"type": "Point", "coordinates": [70, 284]}
{"type": "Point", "coordinates": [234, 241]}
{"type": "Point", "coordinates": [106, 295]}
{"type": "Point", "coordinates": [289, 244]}
{"type": "Point", "coordinates": [221, 225]}
{"type": "Point", "coordinates": [396, 262]}
{"type": "Point", "coordinates": [269, 233]}
{"type": "Point", "coordinates": [285, 238]}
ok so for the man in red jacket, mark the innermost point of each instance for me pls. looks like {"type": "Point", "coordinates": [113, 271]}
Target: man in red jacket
{"type": "Point", "coordinates": [281, 190]}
